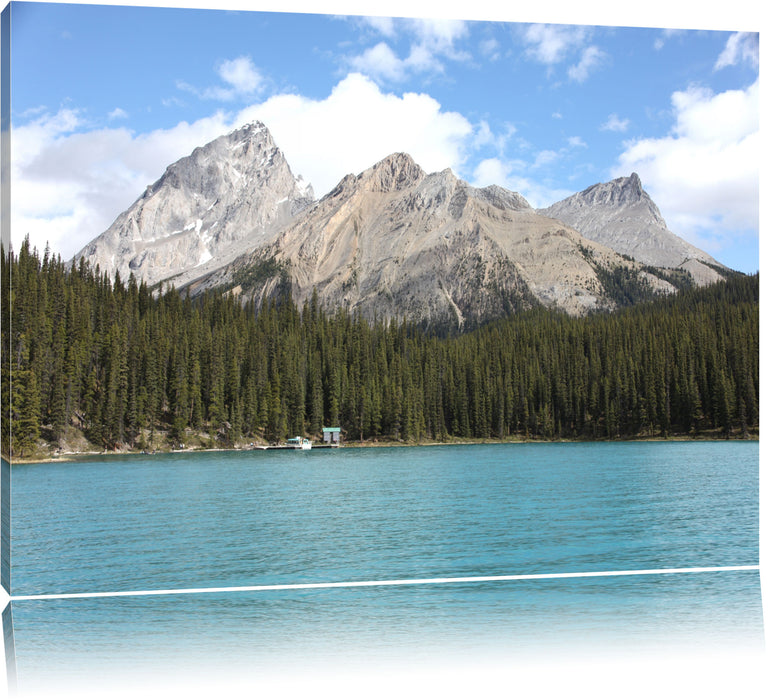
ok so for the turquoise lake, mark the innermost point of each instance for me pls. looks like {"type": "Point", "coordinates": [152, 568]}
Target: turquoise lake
{"type": "Point", "coordinates": [231, 519]}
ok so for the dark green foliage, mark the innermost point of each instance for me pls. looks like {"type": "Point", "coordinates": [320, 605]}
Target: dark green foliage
{"type": "Point", "coordinates": [624, 285]}
{"type": "Point", "coordinates": [678, 278]}
{"type": "Point", "coordinates": [121, 363]}
{"type": "Point", "coordinates": [256, 275]}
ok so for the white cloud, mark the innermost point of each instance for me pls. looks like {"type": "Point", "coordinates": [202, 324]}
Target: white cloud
{"type": "Point", "coordinates": [526, 174]}
{"type": "Point", "coordinates": [741, 47]}
{"type": "Point", "coordinates": [68, 186]}
{"type": "Point", "coordinates": [591, 58]}
{"type": "Point", "coordinates": [439, 35]}
{"type": "Point", "coordinates": [550, 43]}
{"type": "Point", "coordinates": [615, 123]}
{"type": "Point", "coordinates": [383, 25]}
{"type": "Point", "coordinates": [422, 59]}
{"type": "Point", "coordinates": [665, 35]}
{"type": "Point", "coordinates": [118, 113]}
{"type": "Point", "coordinates": [241, 77]}
{"type": "Point", "coordinates": [546, 157]}
{"type": "Point", "coordinates": [491, 49]}
{"type": "Point", "coordinates": [44, 130]}
{"type": "Point", "coordinates": [484, 137]}
{"type": "Point", "coordinates": [705, 173]}
{"type": "Point", "coordinates": [241, 74]}
{"type": "Point", "coordinates": [721, 118]}
{"type": "Point", "coordinates": [492, 171]}
{"type": "Point", "coordinates": [357, 125]}
{"type": "Point", "coordinates": [431, 42]}
{"type": "Point", "coordinates": [380, 62]}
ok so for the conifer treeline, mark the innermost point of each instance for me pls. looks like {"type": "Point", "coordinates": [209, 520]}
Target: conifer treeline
{"type": "Point", "coordinates": [118, 361]}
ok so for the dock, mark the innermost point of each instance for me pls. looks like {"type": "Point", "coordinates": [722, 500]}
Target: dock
{"type": "Point", "coordinates": [292, 447]}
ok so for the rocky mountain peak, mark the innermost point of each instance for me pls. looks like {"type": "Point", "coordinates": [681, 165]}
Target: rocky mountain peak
{"type": "Point", "coordinates": [206, 208]}
{"type": "Point", "coordinates": [630, 186]}
{"type": "Point", "coordinates": [244, 151]}
{"type": "Point", "coordinates": [621, 215]}
{"type": "Point", "coordinates": [620, 191]}
{"type": "Point", "coordinates": [252, 130]}
{"type": "Point", "coordinates": [393, 173]}
{"type": "Point", "coordinates": [634, 184]}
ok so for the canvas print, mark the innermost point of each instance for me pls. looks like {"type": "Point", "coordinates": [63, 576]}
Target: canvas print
{"type": "Point", "coordinates": [364, 354]}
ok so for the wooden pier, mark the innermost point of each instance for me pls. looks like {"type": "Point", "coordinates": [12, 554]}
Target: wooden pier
{"type": "Point", "coordinates": [292, 447]}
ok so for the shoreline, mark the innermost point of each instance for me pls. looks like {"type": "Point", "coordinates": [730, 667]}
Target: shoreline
{"type": "Point", "coordinates": [76, 456]}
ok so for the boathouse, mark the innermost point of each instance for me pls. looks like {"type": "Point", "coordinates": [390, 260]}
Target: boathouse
{"type": "Point", "coordinates": [331, 436]}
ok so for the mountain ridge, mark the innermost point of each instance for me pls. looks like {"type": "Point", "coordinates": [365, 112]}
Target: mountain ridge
{"type": "Point", "coordinates": [394, 241]}
{"type": "Point", "coordinates": [390, 241]}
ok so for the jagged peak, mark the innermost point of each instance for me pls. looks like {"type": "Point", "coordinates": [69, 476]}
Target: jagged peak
{"type": "Point", "coordinates": [621, 190]}
{"type": "Point", "coordinates": [255, 127]}
{"type": "Point", "coordinates": [443, 178]}
{"type": "Point", "coordinates": [503, 198]}
{"type": "Point", "coordinates": [608, 199]}
{"type": "Point", "coordinates": [634, 178]}
{"type": "Point", "coordinates": [631, 184]}
{"type": "Point", "coordinates": [400, 158]}
{"type": "Point", "coordinates": [395, 172]}
{"type": "Point", "coordinates": [253, 136]}
{"type": "Point", "coordinates": [304, 188]}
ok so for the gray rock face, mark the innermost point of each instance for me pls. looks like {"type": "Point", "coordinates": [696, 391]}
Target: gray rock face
{"type": "Point", "coordinates": [225, 198]}
{"type": "Point", "coordinates": [396, 242]}
{"type": "Point", "coordinates": [622, 216]}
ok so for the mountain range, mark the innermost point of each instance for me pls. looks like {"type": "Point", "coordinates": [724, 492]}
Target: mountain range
{"type": "Point", "coordinates": [392, 241]}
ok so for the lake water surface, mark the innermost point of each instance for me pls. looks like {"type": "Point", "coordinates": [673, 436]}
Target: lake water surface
{"type": "Point", "coordinates": [227, 519]}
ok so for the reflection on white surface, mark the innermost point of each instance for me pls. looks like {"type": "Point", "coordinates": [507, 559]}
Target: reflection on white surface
{"type": "Point", "coordinates": [340, 638]}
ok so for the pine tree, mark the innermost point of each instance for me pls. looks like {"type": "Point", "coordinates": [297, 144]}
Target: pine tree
{"type": "Point", "coordinates": [27, 411]}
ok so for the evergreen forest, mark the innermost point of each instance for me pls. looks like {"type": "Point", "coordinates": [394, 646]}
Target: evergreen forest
{"type": "Point", "coordinates": [127, 366]}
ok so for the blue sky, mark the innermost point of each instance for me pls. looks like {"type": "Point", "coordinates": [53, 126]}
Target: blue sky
{"type": "Point", "coordinates": [105, 97]}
